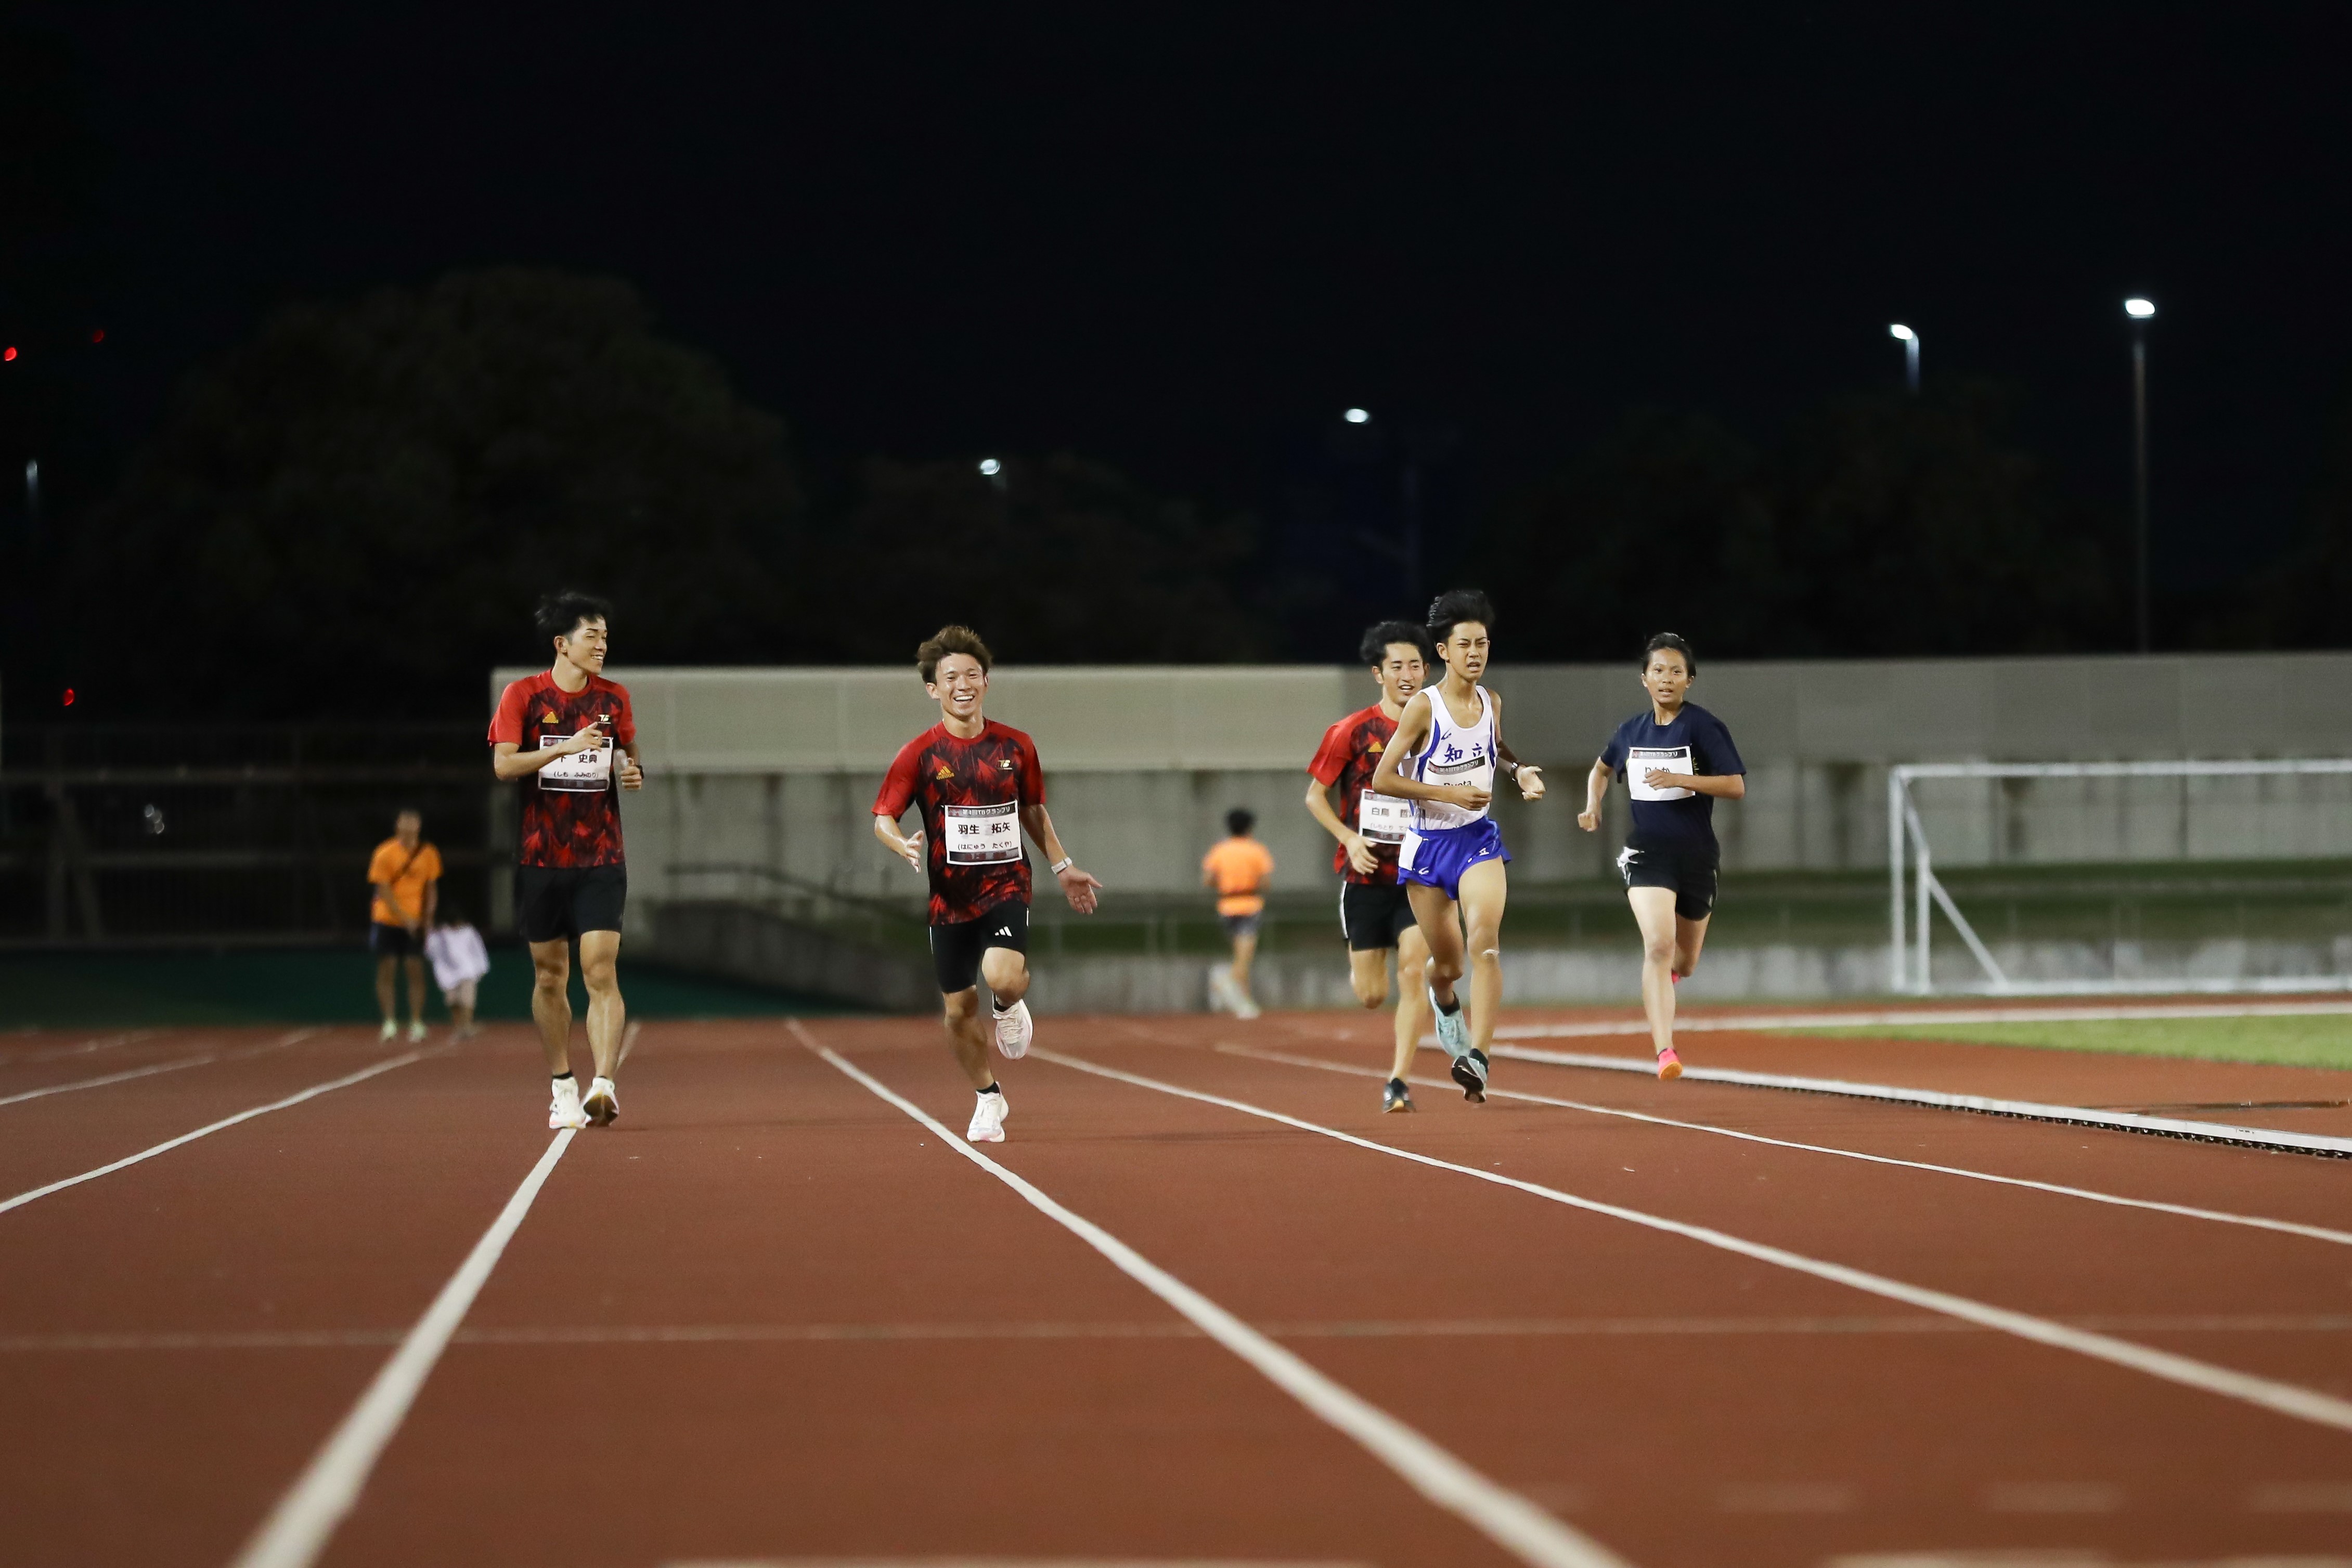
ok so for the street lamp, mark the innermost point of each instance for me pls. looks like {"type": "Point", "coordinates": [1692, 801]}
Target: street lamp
{"type": "Point", "coordinates": [1910, 353]}
{"type": "Point", "coordinates": [2141, 312]}
{"type": "Point", "coordinates": [1357, 415]}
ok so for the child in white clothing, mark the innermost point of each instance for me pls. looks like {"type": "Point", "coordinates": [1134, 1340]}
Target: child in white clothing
{"type": "Point", "coordinates": [459, 961]}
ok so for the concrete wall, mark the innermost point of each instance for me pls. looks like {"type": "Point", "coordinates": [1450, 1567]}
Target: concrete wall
{"type": "Point", "coordinates": [777, 767]}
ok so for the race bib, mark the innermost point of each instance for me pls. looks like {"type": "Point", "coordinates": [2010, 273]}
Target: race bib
{"type": "Point", "coordinates": [583, 771]}
{"type": "Point", "coordinates": [1640, 759]}
{"type": "Point", "coordinates": [982, 835]}
{"type": "Point", "coordinates": [1383, 819]}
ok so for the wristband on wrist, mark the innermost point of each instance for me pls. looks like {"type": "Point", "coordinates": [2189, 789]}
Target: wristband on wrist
{"type": "Point", "coordinates": [1065, 864]}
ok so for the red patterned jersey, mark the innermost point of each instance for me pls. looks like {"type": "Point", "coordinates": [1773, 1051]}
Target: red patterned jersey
{"type": "Point", "coordinates": [971, 793]}
{"type": "Point", "coordinates": [570, 808]}
{"type": "Point", "coordinates": [1350, 755]}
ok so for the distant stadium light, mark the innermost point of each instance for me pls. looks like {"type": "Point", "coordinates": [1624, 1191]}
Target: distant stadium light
{"type": "Point", "coordinates": [990, 466]}
{"type": "Point", "coordinates": [97, 334]}
{"type": "Point", "coordinates": [2140, 309]}
{"type": "Point", "coordinates": [9, 353]}
{"type": "Point", "coordinates": [1900, 330]}
{"type": "Point", "coordinates": [1353, 416]}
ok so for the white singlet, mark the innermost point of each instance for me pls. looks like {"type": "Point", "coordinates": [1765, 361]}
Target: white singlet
{"type": "Point", "coordinates": [1455, 753]}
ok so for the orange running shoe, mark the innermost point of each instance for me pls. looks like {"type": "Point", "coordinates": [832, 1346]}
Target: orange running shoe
{"type": "Point", "coordinates": [1670, 1066]}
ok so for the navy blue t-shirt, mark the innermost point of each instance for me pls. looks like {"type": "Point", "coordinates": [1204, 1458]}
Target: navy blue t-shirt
{"type": "Point", "coordinates": [1694, 742]}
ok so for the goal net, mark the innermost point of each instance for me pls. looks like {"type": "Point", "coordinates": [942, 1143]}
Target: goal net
{"type": "Point", "coordinates": [2109, 877]}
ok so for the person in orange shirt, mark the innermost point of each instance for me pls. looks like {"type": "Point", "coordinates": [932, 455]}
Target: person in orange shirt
{"type": "Point", "coordinates": [1239, 869]}
{"type": "Point", "coordinates": [405, 872]}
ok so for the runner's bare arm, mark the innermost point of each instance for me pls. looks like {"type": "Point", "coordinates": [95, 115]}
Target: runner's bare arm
{"type": "Point", "coordinates": [907, 846]}
{"type": "Point", "coordinates": [1077, 886]}
{"type": "Point", "coordinates": [1596, 786]}
{"type": "Point", "coordinates": [1359, 849]}
{"type": "Point", "coordinates": [1412, 729]}
{"type": "Point", "coordinates": [432, 903]}
{"type": "Point", "coordinates": [509, 760]}
{"type": "Point", "coordinates": [633, 772]}
{"type": "Point", "coordinates": [1525, 775]}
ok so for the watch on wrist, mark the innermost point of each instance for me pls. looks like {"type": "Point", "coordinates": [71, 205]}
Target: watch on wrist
{"type": "Point", "coordinates": [1065, 864]}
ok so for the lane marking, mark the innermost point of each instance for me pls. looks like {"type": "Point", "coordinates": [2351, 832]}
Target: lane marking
{"type": "Point", "coordinates": [1503, 1516]}
{"type": "Point", "coordinates": [304, 1521]}
{"type": "Point", "coordinates": [168, 1145]}
{"type": "Point", "coordinates": [1007, 1562]}
{"type": "Point", "coordinates": [1594, 1028]}
{"type": "Point", "coordinates": [296, 1037]}
{"type": "Point", "coordinates": [1434, 1328]}
{"type": "Point", "coordinates": [2218, 1216]}
{"type": "Point", "coordinates": [2027, 1110]}
{"type": "Point", "coordinates": [83, 1048]}
{"type": "Point", "coordinates": [2283, 1398]}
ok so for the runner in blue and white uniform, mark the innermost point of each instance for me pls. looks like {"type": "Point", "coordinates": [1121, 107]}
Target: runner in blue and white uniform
{"type": "Point", "coordinates": [1678, 760]}
{"type": "Point", "coordinates": [1447, 746]}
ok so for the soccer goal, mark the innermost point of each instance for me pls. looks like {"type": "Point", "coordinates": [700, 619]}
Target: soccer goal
{"type": "Point", "coordinates": [2170, 857]}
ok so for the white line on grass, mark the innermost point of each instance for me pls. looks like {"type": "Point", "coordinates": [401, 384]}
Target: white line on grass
{"type": "Point", "coordinates": [305, 1518]}
{"type": "Point", "coordinates": [185, 1061]}
{"type": "Point", "coordinates": [2114, 1121]}
{"type": "Point", "coordinates": [1897, 1017]}
{"type": "Point", "coordinates": [2219, 1217]}
{"type": "Point", "coordinates": [2284, 1398]}
{"type": "Point", "coordinates": [1503, 1516]}
{"type": "Point", "coordinates": [312, 1093]}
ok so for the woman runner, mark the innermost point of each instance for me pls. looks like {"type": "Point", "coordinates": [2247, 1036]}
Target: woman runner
{"type": "Point", "coordinates": [1451, 735]}
{"type": "Point", "coordinates": [1678, 760]}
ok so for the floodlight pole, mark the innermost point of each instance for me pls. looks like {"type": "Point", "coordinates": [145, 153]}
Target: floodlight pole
{"type": "Point", "coordinates": [2140, 310]}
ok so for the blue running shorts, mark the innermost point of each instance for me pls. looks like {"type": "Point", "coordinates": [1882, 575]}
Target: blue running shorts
{"type": "Point", "coordinates": [1438, 858]}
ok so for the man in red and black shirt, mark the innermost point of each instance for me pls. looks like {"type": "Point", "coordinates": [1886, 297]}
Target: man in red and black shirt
{"type": "Point", "coordinates": [978, 784]}
{"type": "Point", "coordinates": [1374, 914]}
{"type": "Point", "coordinates": [569, 736]}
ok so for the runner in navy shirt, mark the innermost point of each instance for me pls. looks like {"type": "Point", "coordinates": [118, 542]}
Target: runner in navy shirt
{"type": "Point", "coordinates": [1678, 759]}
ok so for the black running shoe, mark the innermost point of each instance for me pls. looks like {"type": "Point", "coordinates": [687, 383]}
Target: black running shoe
{"type": "Point", "coordinates": [1470, 1071]}
{"type": "Point", "coordinates": [1397, 1097]}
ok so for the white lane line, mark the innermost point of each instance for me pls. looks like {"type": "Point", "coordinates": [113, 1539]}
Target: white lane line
{"type": "Point", "coordinates": [2218, 1216]}
{"type": "Point", "coordinates": [2284, 1398]}
{"type": "Point", "coordinates": [1503, 1516]}
{"type": "Point", "coordinates": [1897, 1017]}
{"type": "Point", "coordinates": [2032, 1111]}
{"type": "Point", "coordinates": [305, 1518]}
{"type": "Point", "coordinates": [312, 1093]}
{"type": "Point", "coordinates": [1046, 1563]}
{"type": "Point", "coordinates": [628, 1043]}
{"type": "Point", "coordinates": [182, 1064]}
{"type": "Point", "coordinates": [82, 1048]}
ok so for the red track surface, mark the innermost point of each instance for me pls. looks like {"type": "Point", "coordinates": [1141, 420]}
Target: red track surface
{"type": "Point", "coordinates": [769, 1316]}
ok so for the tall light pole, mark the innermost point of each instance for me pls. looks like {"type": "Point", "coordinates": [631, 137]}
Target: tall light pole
{"type": "Point", "coordinates": [2140, 311]}
{"type": "Point", "coordinates": [1910, 353]}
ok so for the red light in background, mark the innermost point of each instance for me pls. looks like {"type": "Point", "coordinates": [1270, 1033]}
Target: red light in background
{"type": "Point", "coordinates": [97, 334]}
{"type": "Point", "coordinates": [9, 353]}
{"type": "Point", "coordinates": [69, 702]}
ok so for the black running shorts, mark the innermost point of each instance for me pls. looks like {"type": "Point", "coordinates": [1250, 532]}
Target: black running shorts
{"type": "Point", "coordinates": [393, 941]}
{"type": "Point", "coordinates": [955, 947]}
{"type": "Point", "coordinates": [1689, 869]}
{"type": "Point", "coordinates": [554, 902]}
{"type": "Point", "coordinates": [1373, 914]}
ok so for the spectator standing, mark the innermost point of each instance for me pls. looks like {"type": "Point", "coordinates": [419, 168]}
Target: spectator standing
{"type": "Point", "coordinates": [461, 960]}
{"type": "Point", "coordinates": [405, 872]}
{"type": "Point", "coordinates": [1239, 868]}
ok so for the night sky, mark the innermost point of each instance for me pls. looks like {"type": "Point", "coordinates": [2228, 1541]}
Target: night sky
{"type": "Point", "coordinates": [1176, 239]}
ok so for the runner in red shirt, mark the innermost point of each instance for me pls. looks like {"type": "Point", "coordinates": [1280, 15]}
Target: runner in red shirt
{"type": "Point", "coordinates": [1374, 914]}
{"type": "Point", "coordinates": [978, 784]}
{"type": "Point", "coordinates": [570, 880]}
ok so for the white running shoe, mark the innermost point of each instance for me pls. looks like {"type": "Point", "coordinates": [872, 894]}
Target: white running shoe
{"type": "Point", "coordinates": [1225, 996]}
{"type": "Point", "coordinates": [415, 1031]}
{"type": "Point", "coordinates": [564, 1110]}
{"type": "Point", "coordinates": [390, 1030]}
{"type": "Point", "coordinates": [603, 1106]}
{"type": "Point", "coordinates": [1454, 1027]}
{"type": "Point", "coordinates": [987, 1120]}
{"type": "Point", "coordinates": [1243, 1008]}
{"type": "Point", "coordinates": [1013, 1029]}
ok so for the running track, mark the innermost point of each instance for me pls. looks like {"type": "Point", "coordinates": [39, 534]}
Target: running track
{"type": "Point", "coordinates": [773, 1317]}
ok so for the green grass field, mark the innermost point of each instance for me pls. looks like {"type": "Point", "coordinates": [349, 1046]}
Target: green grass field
{"type": "Point", "coordinates": [2287, 1041]}
{"type": "Point", "coordinates": [84, 991]}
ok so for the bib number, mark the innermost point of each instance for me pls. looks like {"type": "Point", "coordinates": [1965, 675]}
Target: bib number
{"type": "Point", "coordinates": [582, 772]}
{"type": "Point", "coordinates": [982, 835]}
{"type": "Point", "coordinates": [1383, 819]}
{"type": "Point", "coordinates": [1640, 759]}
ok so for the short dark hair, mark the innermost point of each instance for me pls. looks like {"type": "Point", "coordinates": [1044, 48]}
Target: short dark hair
{"type": "Point", "coordinates": [561, 612]}
{"type": "Point", "coordinates": [1374, 649]}
{"type": "Point", "coordinates": [406, 810]}
{"type": "Point", "coordinates": [1240, 821]}
{"type": "Point", "coordinates": [1668, 640]}
{"type": "Point", "coordinates": [1452, 607]}
{"type": "Point", "coordinates": [950, 640]}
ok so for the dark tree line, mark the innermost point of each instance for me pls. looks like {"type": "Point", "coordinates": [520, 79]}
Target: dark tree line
{"type": "Point", "coordinates": [368, 497]}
